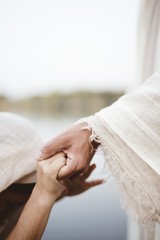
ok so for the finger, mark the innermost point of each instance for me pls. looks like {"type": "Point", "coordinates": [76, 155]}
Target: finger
{"type": "Point", "coordinates": [53, 158]}
{"type": "Point", "coordinates": [68, 170]}
{"type": "Point", "coordinates": [76, 175]}
{"type": "Point", "coordinates": [56, 156]}
{"type": "Point", "coordinates": [56, 165]}
{"type": "Point", "coordinates": [89, 171]}
{"type": "Point", "coordinates": [94, 183]}
{"type": "Point", "coordinates": [51, 148]}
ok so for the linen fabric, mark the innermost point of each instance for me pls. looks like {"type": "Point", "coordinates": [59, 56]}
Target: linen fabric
{"type": "Point", "coordinates": [129, 133]}
{"type": "Point", "coordinates": [19, 144]}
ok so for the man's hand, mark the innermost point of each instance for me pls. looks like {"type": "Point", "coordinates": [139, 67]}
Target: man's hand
{"type": "Point", "coordinates": [75, 143]}
{"type": "Point", "coordinates": [80, 184]}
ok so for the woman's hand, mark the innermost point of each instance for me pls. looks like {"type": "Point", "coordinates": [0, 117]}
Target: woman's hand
{"type": "Point", "coordinates": [47, 172]}
{"type": "Point", "coordinates": [34, 217]}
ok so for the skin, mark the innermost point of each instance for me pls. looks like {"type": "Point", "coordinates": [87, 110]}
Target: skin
{"type": "Point", "coordinates": [39, 198]}
{"type": "Point", "coordinates": [75, 143]}
{"type": "Point", "coordinates": [34, 217]}
{"type": "Point", "coordinates": [79, 184]}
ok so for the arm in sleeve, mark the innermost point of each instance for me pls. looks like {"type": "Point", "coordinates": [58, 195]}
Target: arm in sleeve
{"type": "Point", "coordinates": [129, 133]}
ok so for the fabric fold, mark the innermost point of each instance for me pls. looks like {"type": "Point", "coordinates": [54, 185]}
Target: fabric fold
{"type": "Point", "coordinates": [19, 145]}
{"type": "Point", "coordinates": [129, 134]}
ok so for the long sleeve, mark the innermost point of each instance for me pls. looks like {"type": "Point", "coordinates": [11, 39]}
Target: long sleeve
{"type": "Point", "coordinates": [129, 133]}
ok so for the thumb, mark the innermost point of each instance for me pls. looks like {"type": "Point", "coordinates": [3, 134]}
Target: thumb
{"type": "Point", "coordinates": [68, 170]}
{"type": "Point", "coordinates": [52, 147]}
{"type": "Point", "coordinates": [57, 165]}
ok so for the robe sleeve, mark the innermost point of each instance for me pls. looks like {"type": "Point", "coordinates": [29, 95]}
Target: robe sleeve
{"type": "Point", "coordinates": [129, 133]}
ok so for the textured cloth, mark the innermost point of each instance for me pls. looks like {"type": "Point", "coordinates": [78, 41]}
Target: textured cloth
{"type": "Point", "coordinates": [129, 133]}
{"type": "Point", "coordinates": [19, 143]}
{"type": "Point", "coordinates": [148, 57]}
{"type": "Point", "coordinates": [148, 62]}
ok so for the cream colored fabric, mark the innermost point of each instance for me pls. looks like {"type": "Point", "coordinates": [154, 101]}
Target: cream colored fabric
{"type": "Point", "coordinates": [148, 57]}
{"type": "Point", "coordinates": [19, 144]}
{"type": "Point", "coordinates": [129, 132]}
{"type": "Point", "coordinates": [148, 62]}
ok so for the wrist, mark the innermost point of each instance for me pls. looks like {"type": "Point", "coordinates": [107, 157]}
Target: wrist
{"type": "Point", "coordinates": [89, 134]}
{"type": "Point", "coordinates": [43, 197]}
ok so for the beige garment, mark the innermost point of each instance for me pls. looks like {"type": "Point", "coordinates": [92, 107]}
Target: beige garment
{"type": "Point", "coordinates": [19, 144]}
{"type": "Point", "coordinates": [148, 57]}
{"type": "Point", "coordinates": [148, 62]}
{"type": "Point", "coordinates": [129, 133]}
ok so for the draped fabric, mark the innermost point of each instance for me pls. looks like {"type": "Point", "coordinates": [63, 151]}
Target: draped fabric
{"type": "Point", "coordinates": [148, 57]}
{"type": "Point", "coordinates": [19, 145]}
{"type": "Point", "coordinates": [148, 62]}
{"type": "Point", "coordinates": [129, 133]}
{"type": "Point", "coordinates": [129, 130]}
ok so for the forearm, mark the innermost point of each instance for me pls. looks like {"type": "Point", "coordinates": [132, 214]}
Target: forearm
{"type": "Point", "coordinates": [90, 136]}
{"type": "Point", "coordinates": [34, 217]}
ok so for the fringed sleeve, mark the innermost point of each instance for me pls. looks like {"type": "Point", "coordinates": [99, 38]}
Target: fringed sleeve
{"type": "Point", "coordinates": [129, 133]}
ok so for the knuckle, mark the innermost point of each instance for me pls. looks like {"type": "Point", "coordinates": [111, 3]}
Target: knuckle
{"type": "Point", "coordinates": [43, 167]}
{"type": "Point", "coordinates": [61, 155]}
{"type": "Point", "coordinates": [40, 164]}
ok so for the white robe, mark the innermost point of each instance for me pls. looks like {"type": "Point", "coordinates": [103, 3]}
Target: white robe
{"type": "Point", "coordinates": [129, 132]}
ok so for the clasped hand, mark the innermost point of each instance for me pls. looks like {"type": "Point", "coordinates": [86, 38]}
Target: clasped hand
{"type": "Point", "coordinates": [47, 179]}
{"type": "Point", "coordinates": [75, 143]}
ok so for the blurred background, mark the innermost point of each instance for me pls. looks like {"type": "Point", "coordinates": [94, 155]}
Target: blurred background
{"type": "Point", "coordinates": [61, 60]}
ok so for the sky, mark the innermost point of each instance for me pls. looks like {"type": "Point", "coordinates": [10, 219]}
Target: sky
{"type": "Point", "coordinates": [66, 45]}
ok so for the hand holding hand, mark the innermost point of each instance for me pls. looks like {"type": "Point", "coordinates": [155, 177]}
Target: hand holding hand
{"type": "Point", "coordinates": [80, 184]}
{"type": "Point", "coordinates": [75, 143]}
{"type": "Point", "coordinates": [47, 172]}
